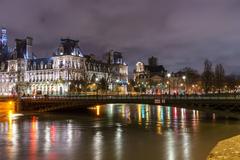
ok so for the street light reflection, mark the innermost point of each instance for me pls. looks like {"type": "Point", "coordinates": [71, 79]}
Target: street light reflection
{"type": "Point", "coordinates": [118, 143]}
{"type": "Point", "coordinates": [98, 110]}
{"type": "Point", "coordinates": [12, 135]}
{"type": "Point", "coordinates": [97, 145]}
{"type": "Point", "coordinates": [33, 138]}
{"type": "Point", "coordinates": [139, 114]}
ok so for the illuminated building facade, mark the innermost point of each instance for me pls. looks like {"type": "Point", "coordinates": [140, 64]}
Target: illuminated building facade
{"type": "Point", "coordinates": [24, 74]}
{"type": "Point", "coordinates": [3, 44]}
{"type": "Point", "coordinates": [154, 79]}
{"type": "Point", "coordinates": [152, 71]}
{"type": "Point", "coordinates": [150, 77]}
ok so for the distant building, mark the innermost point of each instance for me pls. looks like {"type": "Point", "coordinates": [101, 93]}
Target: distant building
{"type": "Point", "coordinates": [151, 75]}
{"type": "Point", "coordinates": [4, 39]}
{"type": "Point", "coordinates": [3, 44]}
{"type": "Point", "coordinates": [24, 74]}
{"type": "Point", "coordinates": [152, 61]}
{"type": "Point", "coordinates": [118, 70]}
{"type": "Point", "coordinates": [153, 71]}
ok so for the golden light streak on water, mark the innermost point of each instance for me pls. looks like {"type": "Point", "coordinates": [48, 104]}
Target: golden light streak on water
{"type": "Point", "coordinates": [10, 115]}
{"type": "Point", "coordinates": [98, 110]}
{"type": "Point", "coordinates": [139, 114]}
{"type": "Point", "coordinates": [12, 134]}
{"type": "Point", "coordinates": [159, 113]}
{"type": "Point", "coordinates": [159, 129]}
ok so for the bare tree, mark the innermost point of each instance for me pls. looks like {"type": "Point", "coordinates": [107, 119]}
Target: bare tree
{"type": "Point", "coordinates": [219, 77]}
{"type": "Point", "coordinates": [207, 76]}
{"type": "Point", "coordinates": [192, 75]}
{"type": "Point", "coordinates": [231, 82]}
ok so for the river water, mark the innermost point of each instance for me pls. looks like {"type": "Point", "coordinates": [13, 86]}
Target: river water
{"type": "Point", "coordinates": [113, 132]}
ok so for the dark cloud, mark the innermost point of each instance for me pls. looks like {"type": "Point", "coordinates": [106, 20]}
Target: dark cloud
{"type": "Point", "coordinates": [180, 33]}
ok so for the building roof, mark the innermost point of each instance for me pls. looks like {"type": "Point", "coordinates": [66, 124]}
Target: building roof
{"type": "Point", "coordinates": [69, 47]}
{"type": "Point", "coordinates": [155, 69]}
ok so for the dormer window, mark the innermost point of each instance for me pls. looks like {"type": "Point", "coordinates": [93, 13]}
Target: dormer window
{"type": "Point", "coordinates": [34, 65]}
{"type": "Point", "coordinates": [41, 65]}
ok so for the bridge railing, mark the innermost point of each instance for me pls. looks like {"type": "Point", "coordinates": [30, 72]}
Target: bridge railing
{"type": "Point", "coordinates": [130, 97]}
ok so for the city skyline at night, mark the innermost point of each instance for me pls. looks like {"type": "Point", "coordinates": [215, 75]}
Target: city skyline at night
{"type": "Point", "coordinates": [119, 79]}
{"type": "Point", "coordinates": [178, 33]}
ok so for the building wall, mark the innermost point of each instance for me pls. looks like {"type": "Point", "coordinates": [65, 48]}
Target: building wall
{"type": "Point", "coordinates": [22, 74]}
{"type": "Point", "coordinates": [54, 80]}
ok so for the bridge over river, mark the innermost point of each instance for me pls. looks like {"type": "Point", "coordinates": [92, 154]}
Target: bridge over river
{"type": "Point", "coordinates": [45, 104]}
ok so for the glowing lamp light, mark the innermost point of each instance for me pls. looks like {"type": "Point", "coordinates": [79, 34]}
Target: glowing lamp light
{"type": "Point", "coordinates": [10, 102]}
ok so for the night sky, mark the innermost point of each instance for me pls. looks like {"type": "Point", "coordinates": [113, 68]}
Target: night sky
{"type": "Point", "coordinates": [178, 32]}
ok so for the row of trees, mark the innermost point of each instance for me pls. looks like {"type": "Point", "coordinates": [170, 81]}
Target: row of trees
{"type": "Point", "coordinates": [212, 79]}
{"type": "Point", "coordinates": [216, 80]}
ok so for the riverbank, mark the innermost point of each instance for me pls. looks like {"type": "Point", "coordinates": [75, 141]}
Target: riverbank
{"type": "Point", "coordinates": [228, 149]}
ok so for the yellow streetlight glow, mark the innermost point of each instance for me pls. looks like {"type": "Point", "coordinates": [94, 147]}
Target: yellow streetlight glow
{"type": "Point", "coordinates": [10, 102]}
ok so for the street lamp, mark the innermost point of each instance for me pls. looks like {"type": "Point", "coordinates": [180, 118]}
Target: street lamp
{"type": "Point", "coordinates": [169, 75]}
{"type": "Point", "coordinates": [168, 82]}
{"type": "Point", "coordinates": [184, 79]}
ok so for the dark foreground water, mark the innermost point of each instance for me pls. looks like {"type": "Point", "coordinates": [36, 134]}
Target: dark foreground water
{"type": "Point", "coordinates": [121, 132]}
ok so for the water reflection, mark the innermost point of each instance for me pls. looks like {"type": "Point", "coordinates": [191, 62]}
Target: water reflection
{"type": "Point", "coordinates": [97, 145]}
{"type": "Point", "coordinates": [158, 116]}
{"type": "Point", "coordinates": [98, 110]}
{"type": "Point", "coordinates": [33, 138]}
{"type": "Point", "coordinates": [170, 145]}
{"type": "Point", "coordinates": [110, 131]}
{"type": "Point", "coordinates": [118, 143]}
{"type": "Point", "coordinates": [47, 139]}
{"type": "Point", "coordinates": [12, 135]}
{"type": "Point", "coordinates": [139, 114]}
{"type": "Point", "coordinates": [186, 146]}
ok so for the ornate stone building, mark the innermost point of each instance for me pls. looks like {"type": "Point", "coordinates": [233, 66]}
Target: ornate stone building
{"type": "Point", "coordinates": [23, 74]}
{"type": "Point", "coordinates": [150, 78]}
{"type": "Point", "coordinates": [154, 79]}
{"type": "Point", "coordinates": [151, 72]}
